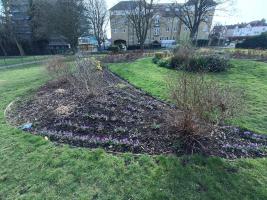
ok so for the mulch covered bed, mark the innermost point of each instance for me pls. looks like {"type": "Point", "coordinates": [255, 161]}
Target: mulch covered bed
{"type": "Point", "coordinates": [120, 119]}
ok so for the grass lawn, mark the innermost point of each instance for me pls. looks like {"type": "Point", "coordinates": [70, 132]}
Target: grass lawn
{"type": "Point", "coordinates": [33, 168]}
{"type": "Point", "coordinates": [249, 75]}
{"type": "Point", "coordinates": [19, 59]}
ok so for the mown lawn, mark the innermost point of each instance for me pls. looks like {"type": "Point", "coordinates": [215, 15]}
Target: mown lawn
{"type": "Point", "coordinates": [33, 168]}
{"type": "Point", "coordinates": [248, 75]}
{"type": "Point", "coordinates": [12, 60]}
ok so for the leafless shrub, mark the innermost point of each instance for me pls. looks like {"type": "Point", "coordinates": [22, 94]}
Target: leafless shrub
{"type": "Point", "coordinates": [57, 67]}
{"type": "Point", "coordinates": [249, 54]}
{"type": "Point", "coordinates": [123, 57]}
{"type": "Point", "coordinates": [205, 105]}
{"type": "Point", "coordinates": [182, 55]}
{"type": "Point", "coordinates": [87, 77]}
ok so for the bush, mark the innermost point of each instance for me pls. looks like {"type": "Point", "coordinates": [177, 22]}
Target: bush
{"type": "Point", "coordinates": [187, 58]}
{"type": "Point", "coordinates": [182, 55]}
{"type": "Point", "coordinates": [114, 48]}
{"type": "Point", "coordinates": [249, 54]}
{"type": "Point", "coordinates": [165, 62]}
{"type": "Point", "coordinates": [57, 67]}
{"type": "Point", "coordinates": [210, 63]}
{"type": "Point", "coordinates": [159, 56]}
{"type": "Point", "coordinates": [87, 77]}
{"type": "Point", "coordinates": [254, 42]}
{"type": "Point", "coordinates": [204, 104]}
{"type": "Point", "coordinates": [123, 57]}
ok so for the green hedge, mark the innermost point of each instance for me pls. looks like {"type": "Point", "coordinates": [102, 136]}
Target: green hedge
{"type": "Point", "coordinates": [254, 42]}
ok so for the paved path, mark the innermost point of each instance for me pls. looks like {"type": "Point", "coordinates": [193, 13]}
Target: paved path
{"type": "Point", "coordinates": [22, 64]}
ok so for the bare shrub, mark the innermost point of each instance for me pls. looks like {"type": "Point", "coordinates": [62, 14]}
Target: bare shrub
{"type": "Point", "coordinates": [87, 77]}
{"type": "Point", "coordinates": [182, 55]}
{"type": "Point", "coordinates": [249, 54]}
{"type": "Point", "coordinates": [123, 57]}
{"type": "Point", "coordinates": [57, 67]}
{"type": "Point", "coordinates": [205, 105]}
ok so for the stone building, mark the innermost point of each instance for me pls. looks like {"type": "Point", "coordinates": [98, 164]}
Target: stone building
{"type": "Point", "coordinates": [20, 17]}
{"type": "Point", "coordinates": [164, 27]}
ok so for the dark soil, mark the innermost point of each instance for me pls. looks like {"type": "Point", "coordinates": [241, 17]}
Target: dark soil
{"type": "Point", "coordinates": [120, 119]}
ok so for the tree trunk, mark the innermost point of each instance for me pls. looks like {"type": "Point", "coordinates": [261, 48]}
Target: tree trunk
{"type": "Point", "coordinates": [142, 44]}
{"type": "Point", "coordinates": [210, 41]}
{"type": "Point", "coordinates": [142, 47]}
{"type": "Point", "coordinates": [193, 36]}
{"type": "Point", "coordinates": [21, 51]}
{"type": "Point", "coordinates": [3, 49]}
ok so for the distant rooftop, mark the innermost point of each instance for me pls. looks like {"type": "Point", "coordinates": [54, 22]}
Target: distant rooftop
{"type": "Point", "coordinates": [253, 24]}
{"type": "Point", "coordinates": [163, 8]}
{"type": "Point", "coordinates": [124, 5]}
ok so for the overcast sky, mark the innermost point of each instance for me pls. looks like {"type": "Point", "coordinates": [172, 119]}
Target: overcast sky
{"type": "Point", "coordinates": [244, 11]}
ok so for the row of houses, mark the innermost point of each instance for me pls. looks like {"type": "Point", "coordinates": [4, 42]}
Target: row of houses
{"type": "Point", "coordinates": [235, 33]}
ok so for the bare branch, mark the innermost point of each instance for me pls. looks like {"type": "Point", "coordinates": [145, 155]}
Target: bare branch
{"type": "Point", "coordinates": [97, 15]}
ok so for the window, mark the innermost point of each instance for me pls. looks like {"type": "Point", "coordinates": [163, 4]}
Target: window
{"type": "Point", "coordinates": [175, 29]}
{"type": "Point", "coordinates": [157, 19]}
{"type": "Point", "coordinates": [114, 30]}
{"type": "Point", "coordinates": [156, 31]}
{"type": "Point", "coordinates": [124, 30]}
{"type": "Point", "coordinates": [167, 29]}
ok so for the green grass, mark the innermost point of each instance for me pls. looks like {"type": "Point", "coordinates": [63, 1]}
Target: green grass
{"type": "Point", "coordinates": [33, 168]}
{"type": "Point", "coordinates": [248, 75]}
{"type": "Point", "coordinates": [19, 59]}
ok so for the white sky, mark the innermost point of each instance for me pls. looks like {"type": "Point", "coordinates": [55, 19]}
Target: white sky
{"type": "Point", "coordinates": [242, 11]}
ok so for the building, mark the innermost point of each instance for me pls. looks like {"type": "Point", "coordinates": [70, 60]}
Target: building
{"type": "Point", "coordinates": [245, 30]}
{"type": "Point", "coordinates": [165, 26]}
{"type": "Point", "coordinates": [237, 32]}
{"type": "Point", "coordinates": [87, 44]}
{"type": "Point", "coordinates": [19, 11]}
{"type": "Point", "coordinates": [58, 44]}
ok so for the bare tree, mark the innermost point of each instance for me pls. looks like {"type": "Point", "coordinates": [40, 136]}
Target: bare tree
{"type": "Point", "coordinates": [97, 15]}
{"type": "Point", "coordinates": [9, 25]}
{"type": "Point", "coordinates": [2, 30]}
{"type": "Point", "coordinates": [194, 12]}
{"type": "Point", "coordinates": [140, 14]}
{"type": "Point", "coordinates": [69, 18]}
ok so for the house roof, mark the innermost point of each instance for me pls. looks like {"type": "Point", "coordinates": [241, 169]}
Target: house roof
{"type": "Point", "coordinates": [166, 9]}
{"type": "Point", "coordinates": [58, 40]}
{"type": "Point", "coordinates": [210, 2]}
{"type": "Point", "coordinates": [252, 24]}
{"type": "Point", "coordinates": [124, 5]}
{"type": "Point", "coordinates": [161, 8]}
